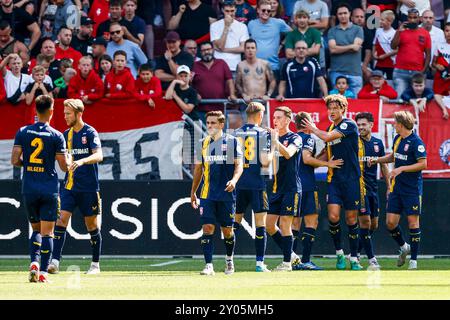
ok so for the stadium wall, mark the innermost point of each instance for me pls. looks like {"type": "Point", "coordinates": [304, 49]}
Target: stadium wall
{"type": "Point", "coordinates": [155, 218]}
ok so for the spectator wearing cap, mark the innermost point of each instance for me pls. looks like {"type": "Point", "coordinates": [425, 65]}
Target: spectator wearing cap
{"type": "Point", "coordinates": [228, 36]}
{"type": "Point", "coordinates": [119, 83]}
{"type": "Point", "coordinates": [345, 42]}
{"type": "Point", "coordinates": [193, 20]}
{"type": "Point", "coordinates": [377, 88]}
{"type": "Point", "coordinates": [166, 65]}
{"type": "Point", "coordinates": [179, 90]}
{"type": "Point", "coordinates": [138, 23]}
{"type": "Point", "coordinates": [86, 84]}
{"type": "Point", "coordinates": [244, 11]}
{"type": "Point", "coordinates": [148, 87]}
{"type": "Point", "coordinates": [267, 32]}
{"type": "Point", "coordinates": [414, 51]}
{"type": "Point", "coordinates": [115, 15]}
{"type": "Point", "coordinates": [98, 49]}
{"type": "Point", "coordinates": [82, 41]}
{"type": "Point", "coordinates": [64, 50]}
{"type": "Point", "coordinates": [135, 55]}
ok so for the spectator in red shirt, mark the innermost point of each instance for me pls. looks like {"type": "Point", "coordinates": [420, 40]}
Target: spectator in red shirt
{"type": "Point", "coordinates": [377, 88]}
{"type": "Point", "coordinates": [48, 50]}
{"type": "Point", "coordinates": [86, 85]}
{"type": "Point", "coordinates": [147, 85]}
{"type": "Point", "coordinates": [441, 62]}
{"type": "Point", "coordinates": [2, 90]}
{"type": "Point", "coordinates": [119, 83]}
{"type": "Point", "coordinates": [105, 63]}
{"type": "Point", "coordinates": [64, 50]}
{"type": "Point", "coordinates": [413, 43]}
{"type": "Point", "coordinates": [99, 12]}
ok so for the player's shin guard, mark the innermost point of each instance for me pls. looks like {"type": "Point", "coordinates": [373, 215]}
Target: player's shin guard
{"type": "Point", "coordinates": [366, 241]}
{"type": "Point", "coordinates": [296, 236]}
{"type": "Point", "coordinates": [229, 245]}
{"type": "Point", "coordinates": [396, 234]}
{"type": "Point", "coordinates": [46, 252]}
{"type": "Point", "coordinates": [335, 231]}
{"type": "Point", "coordinates": [353, 239]}
{"type": "Point", "coordinates": [208, 247]}
{"type": "Point", "coordinates": [35, 246]}
{"type": "Point", "coordinates": [260, 243]}
{"type": "Point", "coordinates": [278, 238]}
{"type": "Point", "coordinates": [58, 242]}
{"type": "Point", "coordinates": [308, 237]}
{"type": "Point", "coordinates": [414, 236]}
{"type": "Point", "coordinates": [96, 244]}
{"type": "Point", "coordinates": [287, 248]}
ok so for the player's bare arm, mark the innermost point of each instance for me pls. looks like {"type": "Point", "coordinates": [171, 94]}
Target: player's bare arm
{"type": "Point", "coordinates": [62, 160]}
{"type": "Point", "coordinates": [323, 135]}
{"type": "Point", "coordinates": [287, 152]}
{"type": "Point", "coordinates": [389, 158]}
{"type": "Point", "coordinates": [316, 163]}
{"type": "Point", "coordinates": [195, 184]}
{"type": "Point", "coordinates": [95, 157]}
{"type": "Point", "coordinates": [238, 169]}
{"type": "Point", "coordinates": [419, 166]}
{"type": "Point", "coordinates": [16, 155]}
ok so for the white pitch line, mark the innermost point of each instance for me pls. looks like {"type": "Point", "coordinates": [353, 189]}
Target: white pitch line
{"type": "Point", "coordinates": [165, 263]}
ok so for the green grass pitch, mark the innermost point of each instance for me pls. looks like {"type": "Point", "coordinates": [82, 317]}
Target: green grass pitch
{"type": "Point", "coordinates": [140, 279]}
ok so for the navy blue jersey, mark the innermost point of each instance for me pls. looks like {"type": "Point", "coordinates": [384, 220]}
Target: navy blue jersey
{"type": "Point", "coordinates": [40, 144]}
{"type": "Point", "coordinates": [406, 152]}
{"type": "Point", "coordinates": [345, 148]}
{"type": "Point", "coordinates": [301, 78]}
{"type": "Point", "coordinates": [254, 141]}
{"type": "Point", "coordinates": [80, 145]}
{"type": "Point", "coordinates": [217, 158]}
{"type": "Point", "coordinates": [306, 172]}
{"type": "Point", "coordinates": [372, 149]}
{"type": "Point", "coordinates": [286, 178]}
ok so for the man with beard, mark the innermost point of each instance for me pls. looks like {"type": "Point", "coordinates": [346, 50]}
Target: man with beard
{"type": "Point", "coordinates": [48, 50]}
{"type": "Point", "coordinates": [64, 50]}
{"type": "Point", "coordinates": [82, 42]}
{"type": "Point", "coordinates": [212, 78]}
{"type": "Point", "coordinates": [8, 44]}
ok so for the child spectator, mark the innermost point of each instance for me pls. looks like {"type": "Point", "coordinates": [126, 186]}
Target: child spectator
{"type": "Point", "coordinates": [44, 61]}
{"type": "Point", "coordinates": [119, 83]}
{"type": "Point", "coordinates": [105, 63]}
{"type": "Point", "coordinates": [147, 85]}
{"type": "Point", "coordinates": [341, 87]}
{"type": "Point", "coordinates": [377, 88]}
{"type": "Point", "coordinates": [180, 91]}
{"type": "Point", "coordinates": [69, 73]}
{"type": "Point", "coordinates": [86, 85]}
{"type": "Point", "coordinates": [60, 83]}
{"type": "Point", "coordinates": [382, 52]}
{"type": "Point", "coordinates": [37, 87]}
{"type": "Point", "coordinates": [417, 94]}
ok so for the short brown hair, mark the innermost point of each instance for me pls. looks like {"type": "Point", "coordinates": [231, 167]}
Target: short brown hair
{"type": "Point", "coordinates": [302, 13]}
{"type": "Point", "coordinates": [286, 110]}
{"type": "Point", "coordinates": [299, 119]}
{"type": "Point", "coordinates": [37, 69]}
{"type": "Point", "coordinates": [76, 104]}
{"type": "Point", "coordinates": [216, 113]}
{"type": "Point", "coordinates": [40, 58]}
{"type": "Point", "coordinates": [405, 118]}
{"type": "Point", "coordinates": [418, 78]}
{"type": "Point", "coordinates": [254, 107]}
{"type": "Point", "coordinates": [340, 100]}
{"type": "Point", "coordinates": [43, 103]}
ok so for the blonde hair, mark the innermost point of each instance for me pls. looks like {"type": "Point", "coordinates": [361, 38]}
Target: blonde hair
{"type": "Point", "coordinates": [338, 99]}
{"type": "Point", "coordinates": [388, 14]}
{"type": "Point", "coordinates": [216, 113]}
{"type": "Point", "coordinates": [286, 110]}
{"type": "Point", "coordinates": [254, 107]}
{"type": "Point", "coordinates": [405, 118]}
{"type": "Point", "coordinates": [76, 104]}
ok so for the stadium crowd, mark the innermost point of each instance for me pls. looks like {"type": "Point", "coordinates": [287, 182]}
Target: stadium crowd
{"type": "Point", "coordinates": [193, 50]}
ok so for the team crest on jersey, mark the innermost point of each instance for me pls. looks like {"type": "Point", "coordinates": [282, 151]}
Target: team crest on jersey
{"type": "Point", "coordinates": [376, 148]}
{"type": "Point", "coordinates": [201, 211]}
{"type": "Point", "coordinates": [343, 126]}
{"type": "Point", "coordinates": [285, 143]}
{"type": "Point", "coordinates": [119, 86]}
{"type": "Point", "coordinates": [305, 69]}
{"type": "Point", "coordinates": [406, 147]}
{"type": "Point", "coordinates": [444, 152]}
{"type": "Point", "coordinates": [83, 140]}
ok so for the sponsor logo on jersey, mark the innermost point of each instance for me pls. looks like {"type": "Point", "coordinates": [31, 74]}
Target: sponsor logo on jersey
{"type": "Point", "coordinates": [215, 158]}
{"type": "Point", "coordinates": [400, 156]}
{"type": "Point", "coordinates": [332, 143]}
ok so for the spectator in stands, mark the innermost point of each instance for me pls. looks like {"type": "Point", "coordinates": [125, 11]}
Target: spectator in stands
{"type": "Point", "coordinates": [267, 32]}
{"type": "Point", "coordinates": [311, 36]}
{"type": "Point", "coordinates": [300, 76]}
{"type": "Point", "coordinates": [15, 81]}
{"type": "Point", "coordinates": [167, 65]}
{"type": "Point", "coordinates": [64, 50]}
{"type": "Point", "coordinates": [119, 83]}
{"type": "Point", "coordinates": [417, 94]}
{"type": "Point", "coordinates": [441, 62]}
{"type": "Point", "coordinates": [98, 49]}
{"type": "Point", "coordinates": [64, 10]}
{"type": "Point", "coordinates": [190, 46]}
{"type": "Point", "coordinates": [419, 5]}
{"type": "Point", "coordinates": [82, 41]}
{"type": "Point", "coordinates": [383, 5]}
{"type": "Point", "coordinates": [37, 87]}
{"type": "Point", "coordinates": [318, 13]}
{"type": "Point", "coordinates": [135, 55]}
{"type": "Point", "coordinates": [352, 5]}
{"type": "Point", "coordinates": [68, 75]}
{"type": "Point", "coordinates": [288, 6]}
{"type": "Point", "coordinates": [48, 49]}
{"type": "Point", "coordinates": [278, 11]}
{"type": "Point", "coordinates": [436, 34]}
{"type": "Point", "coordinates": [341, 87]}
{"type": "Point", "coordinates": [358, 18]}
{"type": "Point", "coordinates": [228, 36]}
{"type": "Point", "coordinates": [345, 41]}
{"type": "Point", "coordinates": [377, 88]}
{"type": "Point", "coordinates": [2, 90]}
{"type": "Point", "coordinates": [105, 63]}
{"type": "Point", "coordinates": [138, 23]}
{"type": "Point", "coordinates": [60, 83]}
{"type": "Point", "coordinates": [193, 20]}
{"type": "Point", "coordinates": [244, 11]}
{"type": "Point", "coordinates": [115, 16]}
{"type": "Point", "coordinates": [382, 53]}
{"type": "Point", "coordinates": [147, 85]}
{"type": "Point", "coordinates": [87, 84]}
{"type": "Point", "coordinates": [44, 61]}
{"type": "Point", "coordinates": [254, 78]}
{"type": "Point", "coordinates": [8, 44]}
{"type": "Point", "coordinates": [22, 23]}
{"type": "Point", "coordinates": [99, 12]}
{"type": "Point", "coordinates": [212, 79]}
{"type": "Point", "coordinates": [146, 9]}
{"type": "Point", "coordinates": [180, 91]}
{"type": "Point", "coordinates": [413, 44]}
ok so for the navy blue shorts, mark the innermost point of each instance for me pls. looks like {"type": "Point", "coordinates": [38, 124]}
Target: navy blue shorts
{"type": "Point", "coordinates": [257, 199]}
{"type": "Point", "coordinates": [408, 204]}
{"type": "Point", "coordinates": [310, 203]}
{"type": "Point", "coordinates": [42, 207]}
{"type": "Point", "coordinates": [89, 203]}
{"type": "Point", "coordinates": [285, 204]}
{"type": "Point", "coordinates": [217, 211]}
{"type": "Point", "coordinates": [346, 194]}
{"type": "Point", "coordinates": [373, 204]}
